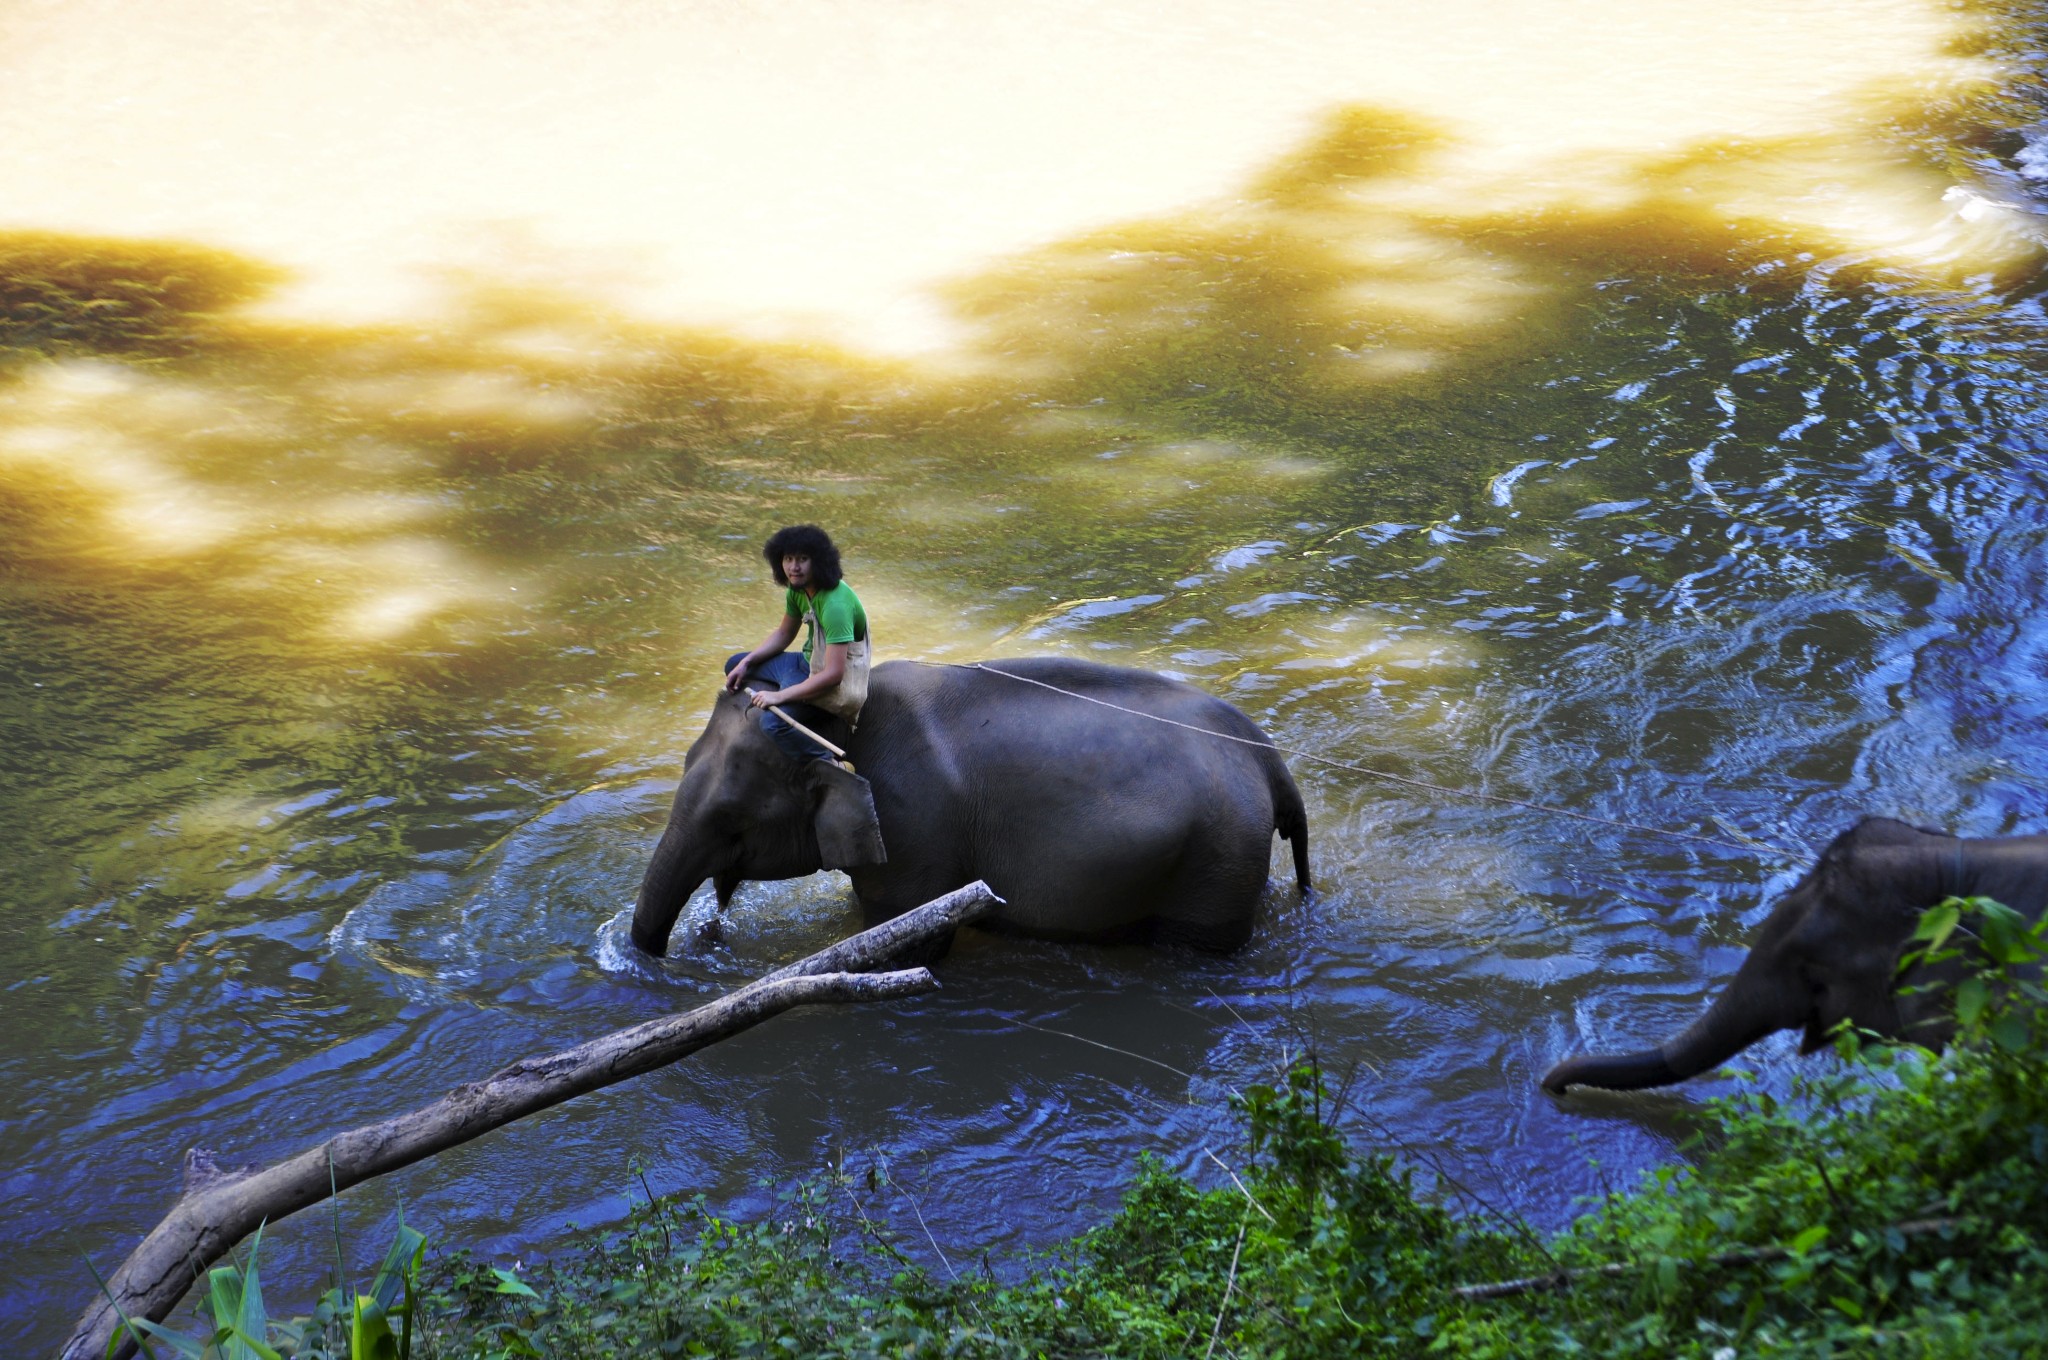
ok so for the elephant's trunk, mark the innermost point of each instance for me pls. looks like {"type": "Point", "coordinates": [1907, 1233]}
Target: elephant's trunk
{"type": "Point", "coordinates": [680, 863]}
{"type": "Point", "coordinates": [1612, 1072]}
{"type": "Point", "coordinates": [1752, 1006]}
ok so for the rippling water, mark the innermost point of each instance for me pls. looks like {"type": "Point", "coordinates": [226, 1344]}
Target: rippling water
{"type": "Point", "coordinates": [347, 668]}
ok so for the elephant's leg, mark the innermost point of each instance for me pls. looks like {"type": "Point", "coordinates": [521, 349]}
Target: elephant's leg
{"type": "Point", "coordinates": [887, 891]}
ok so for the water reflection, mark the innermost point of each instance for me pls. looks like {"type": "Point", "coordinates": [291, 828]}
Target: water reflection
{"type": "Point", "coordinates": [347, 667]}
{"type": "Point", "coordinates": [815, 165]}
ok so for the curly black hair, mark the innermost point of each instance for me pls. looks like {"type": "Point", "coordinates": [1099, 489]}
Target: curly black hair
{"type": "Point", "coordinates": [804, 540]}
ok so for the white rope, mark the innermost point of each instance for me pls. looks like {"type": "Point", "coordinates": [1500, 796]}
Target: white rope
{"type": "Point", "coordinates": [1360, 769]}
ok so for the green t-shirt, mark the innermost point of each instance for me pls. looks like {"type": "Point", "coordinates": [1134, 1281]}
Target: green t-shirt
{"type": "Point", "coordinates": [838, 615]}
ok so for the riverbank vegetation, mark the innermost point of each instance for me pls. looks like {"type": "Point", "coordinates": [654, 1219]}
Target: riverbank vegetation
{"type": "Point", "coordinates": [1893, 1204]}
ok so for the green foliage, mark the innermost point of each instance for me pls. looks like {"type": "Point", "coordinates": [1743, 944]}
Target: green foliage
{"type": "Point", "coordinates": [1890, 1206]}
{"type": "Point", "coordinates": [345, 1325]}
{"type": "Point", "coordinates": [1308, 1251]}
{"type": "Point", "coordinates": [232, 1303]}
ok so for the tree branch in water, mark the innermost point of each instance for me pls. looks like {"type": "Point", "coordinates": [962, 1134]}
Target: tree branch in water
{"type": "Point", "coordinates": [220, 1208]}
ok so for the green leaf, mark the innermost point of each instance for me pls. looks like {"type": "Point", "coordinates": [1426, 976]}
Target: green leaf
{"type": "Point", "coordinates": [252, 1323]}
{"type": "Point", "coordinates": [1938, 922]}
{"type": "Point", "coordinates": [508, 1283]}
{"type": "Point", "coordinates": [224, 1296]}
{"type": "Point", "coordinates": [1971, 999]}
{"type": "Point", "coordinates": [1808, 1240]}
{"type": "Point", "coordinates": [1849, 1308]}
{"type": "Point", "coordinates": [236, 1303]}
{"type": "Point", "coordinates": [2009, 1032]}
{"type": "Point", "coordinates": [401, 1265]}
{"type": "Point", "coordinates": [129, 1325]}
{"type": "Point", "coordinates": [184, 1345]}
{"type": "Point", "coordinates": [242, 1345]}
{"type": "Point", "coordinates": [2002, 932]}
{"type": "Point", "coordinates": [369, 1336]}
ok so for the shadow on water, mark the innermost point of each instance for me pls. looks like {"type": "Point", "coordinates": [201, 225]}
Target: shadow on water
{"type": "Point", "coordinates": [347, 669]}
{"type": "Point", "coordinates": [63, 295]}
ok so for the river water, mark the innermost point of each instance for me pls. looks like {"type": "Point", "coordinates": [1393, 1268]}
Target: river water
{"type": "Point", "coordinates": [1608, 412]}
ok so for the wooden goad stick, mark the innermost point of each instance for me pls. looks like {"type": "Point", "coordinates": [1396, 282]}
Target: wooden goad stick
{"type": "Point", "coordinates": [840, 752]}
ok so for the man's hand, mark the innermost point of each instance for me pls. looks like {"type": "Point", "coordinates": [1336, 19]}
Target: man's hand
{"type": "Point", "coordinates": [736, 677]}
{"type": "Point", "coordinates": [761, 698]}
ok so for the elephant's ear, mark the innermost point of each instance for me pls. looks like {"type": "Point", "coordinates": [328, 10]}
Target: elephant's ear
{"type": "Point", "coordinates": [849, 833]}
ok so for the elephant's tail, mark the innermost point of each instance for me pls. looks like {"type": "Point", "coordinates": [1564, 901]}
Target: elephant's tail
{"type": "Point", "coordinates": [1290, 819]}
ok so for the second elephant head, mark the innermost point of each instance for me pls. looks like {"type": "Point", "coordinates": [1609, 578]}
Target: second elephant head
{"type": "Point", "coordinates": [1830, 951]}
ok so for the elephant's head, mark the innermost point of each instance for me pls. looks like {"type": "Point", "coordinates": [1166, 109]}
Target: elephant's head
{"type": "Point", "coordinates": [746, 810]}
{"type": "Point", "coordinates": [1828, 952]}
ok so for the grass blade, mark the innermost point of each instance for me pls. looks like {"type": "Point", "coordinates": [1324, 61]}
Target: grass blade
{"type": "Point", "coordinates": [127, 1323]}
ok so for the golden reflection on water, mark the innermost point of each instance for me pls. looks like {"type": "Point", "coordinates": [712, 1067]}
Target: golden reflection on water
{"type": "Point", "coordinates": [816, 166]}
{"type": "Point", "coordinates": [1187, 275]}
{"type": "Point", "coordinates": [88, 429]}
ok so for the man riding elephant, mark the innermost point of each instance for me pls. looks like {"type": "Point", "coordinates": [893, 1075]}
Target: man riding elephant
{"type": "Point", "coordinates": [1097, 802]}
{"type": "Point", "coordinates": [832, 678]}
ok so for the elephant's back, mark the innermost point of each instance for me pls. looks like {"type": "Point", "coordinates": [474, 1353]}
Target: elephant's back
{"type": "Point", "coordinates": [1091, 797]}
{"type": "Point", "coordinates": [1049, 683]}
{"type": "Point", "coordinates": [1045, 707]}
{"type": "Point", "coordinates": [1048, 733]}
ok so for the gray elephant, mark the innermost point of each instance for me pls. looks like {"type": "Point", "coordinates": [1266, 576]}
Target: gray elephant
{"type": "Point", "coordinates": [1091, 822]}
{"type": "Point", "coordinates": [1830, 951]}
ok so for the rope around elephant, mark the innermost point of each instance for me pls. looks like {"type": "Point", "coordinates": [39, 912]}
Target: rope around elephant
{"type": "Point", "coordinates": [1750, 849]}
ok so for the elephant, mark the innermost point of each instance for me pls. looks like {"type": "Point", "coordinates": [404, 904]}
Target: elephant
{"type": "Point", "coordinates": [1041, 776]}
{"type": "Point", "coordinates": [1830, 951]}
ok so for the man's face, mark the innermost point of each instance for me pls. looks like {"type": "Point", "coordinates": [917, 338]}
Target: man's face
{"type": "Point", "coordinates": [796, 569]}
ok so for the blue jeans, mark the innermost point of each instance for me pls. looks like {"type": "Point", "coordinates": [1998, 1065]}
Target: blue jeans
{"type": "Point", "coordinates": [780, 672]}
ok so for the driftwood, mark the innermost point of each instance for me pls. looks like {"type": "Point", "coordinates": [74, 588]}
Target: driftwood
{"type": "Point", "coordinates": [1744, 1256]}
{"type": "Point", "coordinates": [220, 1208]}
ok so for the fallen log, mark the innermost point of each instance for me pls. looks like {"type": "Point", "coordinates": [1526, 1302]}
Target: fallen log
{"type": "Point", "coordinates": [218, 1209]}
{"type": "Point", "coordinates": [928, 925]}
